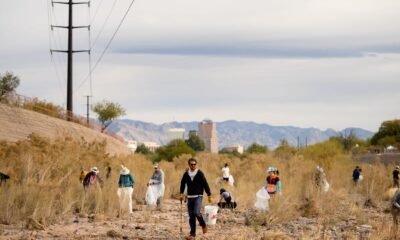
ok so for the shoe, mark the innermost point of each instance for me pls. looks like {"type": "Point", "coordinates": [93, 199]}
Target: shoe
{"type": "Point", "coordinates": [205, 229]}
{"type": "Point", "coordinates": [190, 237]}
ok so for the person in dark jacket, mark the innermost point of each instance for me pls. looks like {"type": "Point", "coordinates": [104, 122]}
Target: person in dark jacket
{"type": "Point", "coordinates": [196, 184]}
{"type": "Point", "coordinates": [356, 174]}
{"type": "Point", "coordinates": [92, 178]}
{"type": "Point", "coordinates": [396, 173]}
{"type": "Point", "coordinates": [3, 178]}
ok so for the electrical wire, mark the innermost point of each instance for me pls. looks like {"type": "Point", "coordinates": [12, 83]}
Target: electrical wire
{"type": "Point", "coordinates": [104, 24]}
{"type": "Point", "coordinates": [95, 14]}
{"type": "Point", "coordinates": [49, 21]}
{"type": "Point", "coordinates": [108, 44]}
{"type": "Point", "coordinates": [89, 46]}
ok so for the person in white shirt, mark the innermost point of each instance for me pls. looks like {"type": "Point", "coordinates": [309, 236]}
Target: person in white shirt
{"type": "Point", "coordinates": [225, 173]}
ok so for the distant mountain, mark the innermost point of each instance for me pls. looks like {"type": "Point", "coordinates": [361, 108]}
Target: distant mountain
{"type": "Point", "coordinates": [229, 132]}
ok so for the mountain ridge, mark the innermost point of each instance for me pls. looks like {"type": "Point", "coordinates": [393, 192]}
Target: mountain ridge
{"type": "Point", "coordinates": [233, 131]}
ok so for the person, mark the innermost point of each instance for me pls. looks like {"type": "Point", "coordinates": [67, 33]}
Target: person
{"type": "Point", "coordinates": [225, 173]}
{"type": "Point", "coordinates": [226, 200]}
{"type": "Point", "coordinates": [396, 209]}
{"type": "Point", "coordinates": [356, 174]}
{"type": "Point", "coordinates": [126, 185]}
{"type": "Point", "coordinates": [320, 181]}
{"type": "Point", "coordinates": [92, 178]}
{"type": "Point", "coordinates": [196, 183]}
{"type": "Point", "coordinates": [396, 173]}
{"type": "Point", "coordinates": [3, 178]}
{"type": "Point", "coordinates": [157, 179]}
{"type": "Point", "coordinates": [108, 172]}
{"type": "Point", "coordinates": [83, 174]}
{"type": "Point", "coordinates": [272, 183]}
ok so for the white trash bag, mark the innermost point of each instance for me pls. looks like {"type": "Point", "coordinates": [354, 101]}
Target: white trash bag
{"type": "Point", "coordinates": [231, 181]}
{"type": "Point", "coordinates": [153, 193]}
{"type": "Point", "coordinates": [325, 187]}
{"type": "Point", "coordinates": [262, 198]}
{"type": "Point", "coordinates": [125, 198]}
{"type": "Point", "coordinates": [360, 178]}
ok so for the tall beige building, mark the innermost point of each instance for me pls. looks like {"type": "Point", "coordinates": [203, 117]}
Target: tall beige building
{"type": "Point", "coordinates": [208, 133]}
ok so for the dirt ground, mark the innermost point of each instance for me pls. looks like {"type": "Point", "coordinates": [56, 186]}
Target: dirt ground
{"type": "Point", "coordinates": [149, 223]}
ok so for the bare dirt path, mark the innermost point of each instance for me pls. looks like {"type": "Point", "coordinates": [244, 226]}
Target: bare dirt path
{"type": "Point", "coordinates": [146, 223]}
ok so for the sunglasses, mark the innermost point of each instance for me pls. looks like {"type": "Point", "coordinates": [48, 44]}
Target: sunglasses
{"type": "Point", "coordinates": [192, 164]}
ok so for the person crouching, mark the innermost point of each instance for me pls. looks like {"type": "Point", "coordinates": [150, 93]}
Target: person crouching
{"type": "Point", "coordinates": [226, 200]}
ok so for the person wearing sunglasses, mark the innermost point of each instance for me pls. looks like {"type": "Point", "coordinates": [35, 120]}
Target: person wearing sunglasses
{"type": "Point", "coordinates": [196, 183]}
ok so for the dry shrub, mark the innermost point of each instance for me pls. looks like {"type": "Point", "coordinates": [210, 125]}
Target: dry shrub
{"type": "Point", "coordinates": [45, 181]}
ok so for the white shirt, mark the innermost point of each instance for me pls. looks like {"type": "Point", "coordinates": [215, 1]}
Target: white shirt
{"type": "Point", "coordinates": [225, 172]}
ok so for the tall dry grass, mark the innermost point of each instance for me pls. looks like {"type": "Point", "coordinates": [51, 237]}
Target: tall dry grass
{"type": "Point", "coordinates": [45, 180]}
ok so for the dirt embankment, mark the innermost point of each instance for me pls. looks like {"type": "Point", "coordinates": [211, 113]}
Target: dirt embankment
{"type": "Point", "coordinates": [16, 124]}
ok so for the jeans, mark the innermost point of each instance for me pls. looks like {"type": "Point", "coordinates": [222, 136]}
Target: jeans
{"type": "Point", "coordinates": [194, 206]}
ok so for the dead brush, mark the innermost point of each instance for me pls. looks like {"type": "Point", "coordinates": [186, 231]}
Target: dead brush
{"type": "Point", "coordinates": [45, 182]}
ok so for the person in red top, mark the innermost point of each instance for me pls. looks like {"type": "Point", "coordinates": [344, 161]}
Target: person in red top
{"type": "Point", "coordinates": [273, 183]}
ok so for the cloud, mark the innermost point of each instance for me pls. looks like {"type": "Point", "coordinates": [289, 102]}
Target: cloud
{"type": "Point", "coordinates": [308, 63]}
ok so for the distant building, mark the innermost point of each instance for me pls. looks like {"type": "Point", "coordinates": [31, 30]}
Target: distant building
{"type": "Point", "coordinates": [152, 146]}
{"type": "Point", "coordinates": [235, 148]}
{"type": "Point", "coordinates": [192, 133]}
{"type": "Point", "coordinates": [132, 145]}
{"type": "Point", "coordinates": [176, 133]}
{"type": "Point", "coordinates": [208, 133]}
{"type": "Point", "coordinates": [391, 148]}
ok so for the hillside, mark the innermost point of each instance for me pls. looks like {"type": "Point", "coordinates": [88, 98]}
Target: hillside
{"type": "Point", "coordinates": [244, 133]}
{"type": "Point", "coordinates": [16, 124]}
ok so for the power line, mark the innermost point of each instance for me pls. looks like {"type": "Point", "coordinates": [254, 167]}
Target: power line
{"type": "Point", "coordinates": [95, 14]}
{"type": "Point", "coordinates": [59, 80]}
{"type": "Point", "coordinates": [90, 54]}
{"type": "Point", "coordinates": [108, 44]}
{"type": "Point", "coordinates": [104, 24]}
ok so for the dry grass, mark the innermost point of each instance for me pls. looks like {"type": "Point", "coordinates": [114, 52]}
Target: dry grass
{"type": "Point", "coordinates": [45, 181]}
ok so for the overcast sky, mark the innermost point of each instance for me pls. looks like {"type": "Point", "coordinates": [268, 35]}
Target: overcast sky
{"type": "Point", "coordinates": [306, 63]}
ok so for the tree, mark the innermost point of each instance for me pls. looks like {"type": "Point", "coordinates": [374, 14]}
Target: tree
{"type": "Point", "coordinates": [229, 152]}
{"type": "Point", "coordinates": [107, 112]}
{"type": "Point", "coordinates": [256, 148]}
{"type": "Point", "coordinates": [284, 150]}
{"type": "Point", "coordinates": [388, 133]}
{"type": "Point", "coordinates": [175, 148]}
{"type": "Point", "coordinates": [195, 143]}
{"type": "Point", "coordinates": [142, 149]}
{"type": "Point", "coordinates": [8, 83]}
{"type": "Point", "coordinates": [348, 140]}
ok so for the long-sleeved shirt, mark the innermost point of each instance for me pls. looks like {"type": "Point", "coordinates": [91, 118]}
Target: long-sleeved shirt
{"type": "Point", "coordinates": [396, 199]}
{"type": "Point", "coordinates": [157, 177]}
{"type": "Point", "coordinates": [126, 181]}
{"type": "Point", "coordinates": [196, 186]}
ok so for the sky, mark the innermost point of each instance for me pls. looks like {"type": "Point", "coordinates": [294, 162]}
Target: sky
{"type": "Point", "coordinates": [305, 63]}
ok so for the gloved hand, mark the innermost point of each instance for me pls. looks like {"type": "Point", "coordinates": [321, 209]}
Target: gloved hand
{"type": "Point", "coordinates": [181, 197]}
{"type": "Point", "coordinates": [210, 199]}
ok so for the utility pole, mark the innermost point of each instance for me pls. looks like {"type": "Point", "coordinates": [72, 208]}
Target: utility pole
{"type": "Point", "coordinates": [87, 107]}
{"type": "Point", "coordinates": [298, 142]}
{"type": "Point", "coordinates": [70, 51]}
